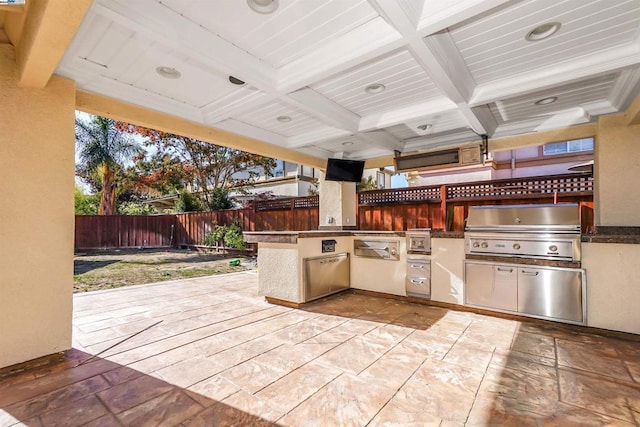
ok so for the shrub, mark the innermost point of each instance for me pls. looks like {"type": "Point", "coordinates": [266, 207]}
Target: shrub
{"type": "Point", "coordinates": [187, 203]}
{"type": "Point", "coordinates": [219, 199]}
{"type": "Point", "coordinates": [229, 235]}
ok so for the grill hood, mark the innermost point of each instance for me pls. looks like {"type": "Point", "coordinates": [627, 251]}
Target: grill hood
{"type": "Point", "coordinates": [535, 218]}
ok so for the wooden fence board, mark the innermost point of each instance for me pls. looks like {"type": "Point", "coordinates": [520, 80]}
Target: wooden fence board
{"type": "Point", "coordinates": [392, 210]}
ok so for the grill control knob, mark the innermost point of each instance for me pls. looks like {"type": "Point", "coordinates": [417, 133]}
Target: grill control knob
{"type": "Point", "coordinates": [516, 246]}
{"type": "Point", "coordinates": [484, 245]}
{"type": "Point", "coordinates": [553, 248]}
{"type": "Point", "coordinates": [476, 244]}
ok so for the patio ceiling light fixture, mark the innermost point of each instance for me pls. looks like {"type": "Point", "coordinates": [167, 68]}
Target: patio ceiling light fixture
{"type": "Point", "coordinates": [375, 88]}
{"type": "Point", "coordinates": [543, 31]}
{"type": "Point", "coordinates": [283, 119]}
{"type": "Point", "coordinates": [546, 101]}
{"type": "Point", "coordinates": [263, 6]}
{"type": "Point", "coordinates": [236, 81]}
{"type": "Point", "coordinates": [168, 72]}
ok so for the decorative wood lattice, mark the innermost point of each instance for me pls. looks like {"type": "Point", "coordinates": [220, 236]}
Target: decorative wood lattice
{"type": "Point", "coordinates": [399, 195]}
{"type": "Point", "coordinates": [522, 187]}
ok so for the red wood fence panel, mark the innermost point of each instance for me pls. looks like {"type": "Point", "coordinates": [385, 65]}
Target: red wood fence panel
{"type": "Point", "coordinates": [438, 207]}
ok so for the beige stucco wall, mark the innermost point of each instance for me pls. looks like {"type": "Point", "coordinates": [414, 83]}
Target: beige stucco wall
{"type": "Point", "coordinates": [386, 276]}
{"type": "Point", "coordinates": [613, 286]}
{"type": "Point", "coordinates": [617, 168]}
{"type": "Point", "coordinates": [281, 265]}
{"type": "Point", "coordinates": [36, 216]}
{"type": "Point", "coordinates": [278, 271]}
{"type": "Point", "coordinates": [338, 201]}
{"type": "Point", "coordinates": [447, 270]}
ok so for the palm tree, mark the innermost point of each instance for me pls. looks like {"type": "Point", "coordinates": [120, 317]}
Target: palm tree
{"type": "Point", "coordinates": [103, 149]}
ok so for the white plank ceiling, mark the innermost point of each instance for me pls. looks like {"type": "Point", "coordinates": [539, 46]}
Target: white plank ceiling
{"type": "Point", "coordinates": [450, 70]}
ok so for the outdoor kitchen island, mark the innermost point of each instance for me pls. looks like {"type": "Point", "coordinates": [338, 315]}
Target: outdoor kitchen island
{"type": "Point", "coordinates": [281, 269]}
{"type": "Point", "coordinates": [282, 255]}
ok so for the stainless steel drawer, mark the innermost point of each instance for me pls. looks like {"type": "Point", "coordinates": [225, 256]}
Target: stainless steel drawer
{"type": "Point", "coordinates": [418, 281]}
{"type": "Point", "coordinates": [380, 249]}
{"type": "Point", "coordinates": [418, 268]}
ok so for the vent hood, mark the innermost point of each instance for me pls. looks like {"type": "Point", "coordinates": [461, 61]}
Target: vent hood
{"type": "Point", "coordinates": [460, 156]}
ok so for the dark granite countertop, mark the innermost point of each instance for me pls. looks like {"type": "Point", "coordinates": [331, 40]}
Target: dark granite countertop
{"type": "Point", "coordinates": [609, 234]}
{"type": "Point", "coordinates": [293, 236]}
{"type": "Point", "coordinates": [441, 234]}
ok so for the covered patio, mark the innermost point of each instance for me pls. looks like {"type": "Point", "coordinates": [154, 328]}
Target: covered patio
{"type": "Point", "coordinates": [210, 351]}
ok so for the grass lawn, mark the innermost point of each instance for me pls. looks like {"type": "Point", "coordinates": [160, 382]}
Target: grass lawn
{"type": "Point", "coordinates": [113, 269]}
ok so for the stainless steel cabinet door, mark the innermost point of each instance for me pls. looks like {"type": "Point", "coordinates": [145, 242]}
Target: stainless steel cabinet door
{"type": "Point", "coordinates": [325, 275]}
{"type": "Point", "coordinates": [491, 286]}
{"type": "Point", "coordinates": [554, 293]}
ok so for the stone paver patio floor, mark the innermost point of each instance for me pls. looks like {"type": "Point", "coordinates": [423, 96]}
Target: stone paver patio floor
{"type": "Point", "coordinates": [211, 352]}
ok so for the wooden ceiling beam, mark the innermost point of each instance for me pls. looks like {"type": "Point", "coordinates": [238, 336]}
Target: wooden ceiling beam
{"type": "Point", "coordinates": [134, 114]}
{"type": "Point", "coordinates": [49, 28]}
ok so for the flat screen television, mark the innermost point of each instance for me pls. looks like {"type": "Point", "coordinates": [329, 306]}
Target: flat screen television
{"type": "Point", "coordinates": [344, 170]}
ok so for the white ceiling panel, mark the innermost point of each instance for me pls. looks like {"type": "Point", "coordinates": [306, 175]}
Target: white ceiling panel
{"type": "Point", "coordinates": [266, 117]}
{"type": "Point", "coordinates": [296, 28]}
{"type": "Point", "coordinates": [494, 46]}
{"type": "Point", "coordinates": [453, 65]}
{"type": "Point", "coordinates": [405, 83]}
{"type": "Point", "coordinates": [402, 132]}
{"type": "Point", "coordinates": [569, 96]}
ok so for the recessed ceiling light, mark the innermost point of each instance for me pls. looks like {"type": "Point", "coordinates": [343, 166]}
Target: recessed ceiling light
{"type": "Point", "coordinates": [543, 31]}
{"type": "Point", "coordinates": [236, 81]}
{"type": "Point", "coordinates": [546, 101]}
{"type": "Point", "coordinates": [425, 126]}
{"type": "Point", "coordinates": [168, 72]}
{"type": "Point", "coordinates": [346, 143]}
{"type": "Point", "coordinates": [283, 119]}
{"type": "Point", "coordinates": [375, 88]}
{"type": "Point", "coordinates": [263, 6]}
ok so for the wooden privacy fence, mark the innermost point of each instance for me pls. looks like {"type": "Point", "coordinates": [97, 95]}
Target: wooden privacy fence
{"type": "Point", "coordinates": [445, 207]}
{"type": "Point", "coordinates": [438, 207]}
{"type": "Point", "coordinates": [190, 229]}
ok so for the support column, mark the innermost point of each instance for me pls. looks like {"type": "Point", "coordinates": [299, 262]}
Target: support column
{"type": "Point", "coordinates": [36, 215]}
{"type": "Point", "coordinates": [337, 205]}
{"type": "Point", "coordinates": [616, 172]}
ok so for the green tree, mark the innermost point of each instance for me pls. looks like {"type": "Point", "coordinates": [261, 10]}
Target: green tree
{"type": "Point", "coordinates": [219, 199]}
{"type": "Point", "coordinates": [85, 204]}
{"type": "Point", "coordinates": [187, 203]}
{"type": "Point", "coordinates": [136, 208]}
{"type": "Point", "coordinates": [367, 184]}
{"type": "Point", "coordinates": [208, 170]}
{"type": "Point", "coordinates": [103, 150]}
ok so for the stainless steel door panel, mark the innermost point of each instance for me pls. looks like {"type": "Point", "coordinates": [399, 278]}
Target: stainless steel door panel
{"type": "Point", "coordinates": [478, 284]}
{"type": "Point", "coordinates": [325, 275]}
{"type": "Point", "coordinates": [505, 285]}
{"type": "Point", "coordinates": [554, 293]}
{"type": "Point", "coordinates": [491, 286]}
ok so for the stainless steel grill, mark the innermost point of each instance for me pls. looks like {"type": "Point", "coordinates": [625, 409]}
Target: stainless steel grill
{"type": "Point", "coordinates": [535, 287]}
{"type": "Point", "coordinates": [527, 231]}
